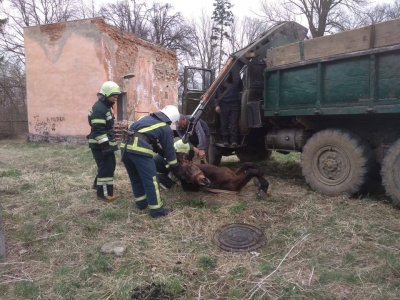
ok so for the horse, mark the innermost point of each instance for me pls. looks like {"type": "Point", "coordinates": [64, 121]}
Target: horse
{"type": "Point", "coordinates": [217, 179]}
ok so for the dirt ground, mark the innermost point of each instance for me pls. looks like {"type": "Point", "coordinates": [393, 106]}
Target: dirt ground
{"type": "Point", "coordinates": [316, 247]}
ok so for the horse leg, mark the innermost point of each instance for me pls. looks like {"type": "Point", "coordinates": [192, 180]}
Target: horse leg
{"type": "Point", "coordinates": [263, 183]}
{"type": "Point", "coordinates": [243, 168]}
{"type": "Point", "coordinates": [241, 180]}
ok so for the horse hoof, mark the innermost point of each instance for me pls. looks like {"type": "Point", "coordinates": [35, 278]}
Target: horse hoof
{"type": "Point", "coordinates": [256, 182]}
{"type": "Point", "coordinates": [262, 194]}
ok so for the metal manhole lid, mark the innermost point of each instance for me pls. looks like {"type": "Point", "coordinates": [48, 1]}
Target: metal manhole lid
{"type": "Point", "coordinates": [239, 237]}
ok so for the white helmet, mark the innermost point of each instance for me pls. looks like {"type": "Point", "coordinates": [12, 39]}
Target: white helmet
{"type": "Point", "coordinates": [171, 112]}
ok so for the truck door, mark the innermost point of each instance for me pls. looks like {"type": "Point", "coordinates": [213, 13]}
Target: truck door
{"type": "Point", "coordinates": [196, 81]}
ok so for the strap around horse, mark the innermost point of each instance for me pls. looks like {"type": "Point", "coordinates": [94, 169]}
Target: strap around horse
{"type": "Point", "coordinates": [192, 178]}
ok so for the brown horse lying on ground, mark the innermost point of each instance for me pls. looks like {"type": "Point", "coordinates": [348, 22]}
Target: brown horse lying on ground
{"type": "Point", "coordinates": [196, 176]}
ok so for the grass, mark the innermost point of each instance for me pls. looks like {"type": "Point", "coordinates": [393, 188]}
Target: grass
{"type": "Point", "coordinates": [317, 247]}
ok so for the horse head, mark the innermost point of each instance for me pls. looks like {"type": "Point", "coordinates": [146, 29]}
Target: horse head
{"type": "Point", "coordinates": [191, 173]}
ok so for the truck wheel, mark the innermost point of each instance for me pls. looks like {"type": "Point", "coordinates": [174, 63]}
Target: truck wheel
{"type": "Point", "coordinates": [390, 173]}
{"type": "Point", "coordinates": [336, 162]}
{"type": "Point", "coordinates": [2, 238]}
{"type": "Point", "coordinates": [249, 154]}
{"type": "Point", "coordinates": [214, 153]}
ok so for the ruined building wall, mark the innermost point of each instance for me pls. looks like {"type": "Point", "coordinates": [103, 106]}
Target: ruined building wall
{"type": "Point", "coordinates": [67, 63]}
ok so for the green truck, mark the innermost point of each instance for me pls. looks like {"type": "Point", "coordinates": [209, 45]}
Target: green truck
{"type": "Point", "coordinates": [335, 99]}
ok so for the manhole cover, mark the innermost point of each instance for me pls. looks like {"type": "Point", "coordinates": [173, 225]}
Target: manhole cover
{"type": "Point", "coordinates": [239, 237]}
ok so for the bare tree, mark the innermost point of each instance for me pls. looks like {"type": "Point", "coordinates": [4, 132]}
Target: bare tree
{"type": "Point", "coordinates": [20, 14]}
{"type": "Point", "coordinates": [379, 13]}
{"type": "Point", "coordinates": [243, 32]}
{"type": "Point", "coordinates": [277, 12]}
{"type": "Point", "coordinates": [168, 29]}
{"type": "Point", "coordinates": [157, 23]}
{"type": "Point", "coordinates": [24, 13]}
{"type": "Point", "coordinates": [2, 20]}
{"type": "Point", "coordinates": [322, 16]}
{"type": "Point", "coordinates": [369, 15]}
{"type": "Point", "coordinates": [128, 15]}
{"type": "Point", "coordinates": [87, 9]}
{"type": "Point", "coordinates": [13, 115]}
{"type": "Point", "coordinates": [202, 53]}
{"type": "Point", "coordinates": [393, 11]}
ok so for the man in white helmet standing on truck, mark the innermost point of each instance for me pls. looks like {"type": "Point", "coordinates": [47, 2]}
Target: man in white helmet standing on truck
{"type": "Point", "coordinates": [138, 147]}
{"type": "Point", "coordinates": [102, 140]}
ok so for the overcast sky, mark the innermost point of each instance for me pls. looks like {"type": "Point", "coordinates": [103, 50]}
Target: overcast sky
{"type": "Point", "coordinates": [241, 8]}
{"type": "Point", "coordinates": [190, 8]}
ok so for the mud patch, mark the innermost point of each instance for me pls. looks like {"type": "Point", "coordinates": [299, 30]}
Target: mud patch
{"type": "Point", "coordinates": [150, 292]}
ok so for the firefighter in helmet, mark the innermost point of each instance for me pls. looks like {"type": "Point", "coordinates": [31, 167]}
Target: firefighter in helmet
{"type": "Point", "coordinates": [138, 147]}
{"type": "Point", "coordinates": [102, 140]}
{"type": "Point", "coordinates": [162, 166]}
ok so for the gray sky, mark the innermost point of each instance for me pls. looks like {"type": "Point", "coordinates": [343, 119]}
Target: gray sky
{"type": "Point", "coordinates": [190, 8]}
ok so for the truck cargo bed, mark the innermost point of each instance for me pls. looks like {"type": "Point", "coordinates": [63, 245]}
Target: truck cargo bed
{"type": "Point", "coordinates": [353, 83]}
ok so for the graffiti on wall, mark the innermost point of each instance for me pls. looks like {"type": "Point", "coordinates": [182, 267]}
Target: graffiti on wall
{"type": "Point", "coordinates": [46, 125]}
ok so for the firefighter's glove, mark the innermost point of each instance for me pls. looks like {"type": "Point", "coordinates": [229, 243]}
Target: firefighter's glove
{"type": "Point", "coordinates": [106, 149]}
{"type": "Point", "coordinates": [175, 171]}
{"type": "Point", "coordinates": [157, 149]}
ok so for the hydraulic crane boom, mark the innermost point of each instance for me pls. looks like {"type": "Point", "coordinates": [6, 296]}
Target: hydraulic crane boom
{"type": "Point", "coordinates": [253, 54]}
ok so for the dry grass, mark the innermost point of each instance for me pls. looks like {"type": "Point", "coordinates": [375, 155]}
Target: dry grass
{"type": "Point", "coordinates": [317, 247]}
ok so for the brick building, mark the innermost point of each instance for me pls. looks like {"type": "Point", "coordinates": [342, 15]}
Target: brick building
{"type": "Point", "coordinates": [66, 64]}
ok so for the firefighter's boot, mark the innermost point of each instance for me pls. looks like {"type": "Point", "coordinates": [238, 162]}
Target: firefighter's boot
{"type": "Point", "coordinates": [161, 212]}
{"type": "Point", "coordinates": [103, 193]}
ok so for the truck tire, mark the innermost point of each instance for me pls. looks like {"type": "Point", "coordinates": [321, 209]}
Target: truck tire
{"type": "Point", "coordinates": [390, 173]}
{"type": "Point", "coordinates": [249, 154]}
{"type": "Point", "coordinates": [2, 238]}
{"type": "Point", "coordinates": [214, 153]}
{"type": "Point", "coordinates": [336, 162]}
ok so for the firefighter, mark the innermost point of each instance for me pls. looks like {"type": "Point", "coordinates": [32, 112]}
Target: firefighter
{"type": "Point", "coordinates": [102, 139]}
{"type": "Point", "coordinates": [162, 166]}
{"type": "Point", "coordinates": [187, 148]}
{"type": "Point", "coordinates": [137, 150]}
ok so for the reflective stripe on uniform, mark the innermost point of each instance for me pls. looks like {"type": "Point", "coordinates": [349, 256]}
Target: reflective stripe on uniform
{"type": "Point", "coordinates": [101, 137]}
{"type": "Point", "coordinates": [152, 127]}
{"type": "Point", "coordinates": [172, 162]}
{"type": "Point", "coordinates": [141, 198]}
{"type": "Point", "coordinates": [98, 121]}
{"type": "Point", "coordinates": [103, 140]}
{"type": "Point", "coordinates": [105, 180]}
{"type": "Point", "coordinates": [92, 141]}
{"type": "Point", "coordinates": [157, 189]}
{"type": "Point", "coordinates": [135, 147]}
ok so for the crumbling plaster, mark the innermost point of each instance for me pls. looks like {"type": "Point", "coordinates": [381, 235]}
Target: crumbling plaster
{"type": "Point", "coordinates": [67, 62]}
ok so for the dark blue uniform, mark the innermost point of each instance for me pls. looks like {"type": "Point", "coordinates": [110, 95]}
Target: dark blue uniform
{"type": "Point", "coordinates": [101, 121]}
{"type": "Point", "coordinates": [137, 154]}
